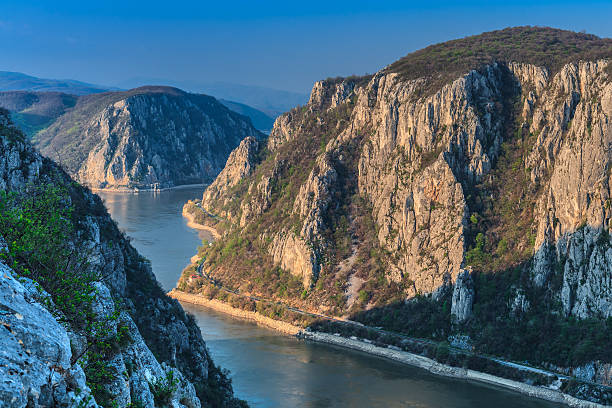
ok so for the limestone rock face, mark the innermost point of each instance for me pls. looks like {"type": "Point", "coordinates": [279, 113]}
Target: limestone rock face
{"type": "Point", "coordinates": [420, 150]}
{"type": "Point", "coordinates": [292, 253]}
{"type": "Point", "coordinates": [487, 189]}
{"type": "Point", "coordinates": [463, 297]}
{"type": "Point", "coordinates": [151, 137]}
{"type": "Point", "coordinates": [328, 95]}
{"type": "Point", "coordinates": [262, 194]}
{"type": "Point", "coordinates": [239, 165]}
{"type": "Point", "coordinates": [37, 361]}
{"type": "Point", "coordinates": [574, 132]}
{"type": "Point", "coordinates": [35, 364]}
{"type": "Point", "coordinates": [416, 159]}
{"type": "Point", "coordinates": [325, 95]}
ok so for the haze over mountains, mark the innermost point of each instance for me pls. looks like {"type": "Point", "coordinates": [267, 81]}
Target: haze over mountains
{"type": "Point", "coordinates": [36, 111]}
{"type": "Point", "coordinates": [271, 102]}
{"type": "Point", "coordinates": [16, 81]}
{"type": "Point", "coordinates": [456, 204]}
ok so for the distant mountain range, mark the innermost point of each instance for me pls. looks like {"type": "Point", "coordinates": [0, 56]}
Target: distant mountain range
{"type": "Point", "coordinates": [35, 112]}
{"type": "Point", "coordinates": [259, 119]}
{"type": "Point", "coordinates": [16, 81]}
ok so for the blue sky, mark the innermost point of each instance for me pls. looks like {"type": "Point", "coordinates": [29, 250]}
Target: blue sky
{"type": "Point", "coordinates": [279, 44]}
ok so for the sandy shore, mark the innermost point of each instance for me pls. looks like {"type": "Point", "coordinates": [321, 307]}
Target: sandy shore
{"type": "Point", "coordinates": [192, 224]}
{"type": "Point", "coordinates": [232, 311]}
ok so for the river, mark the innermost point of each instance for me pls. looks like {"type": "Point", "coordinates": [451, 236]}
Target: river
{"type": "Point", "coordinates": [272, 370]}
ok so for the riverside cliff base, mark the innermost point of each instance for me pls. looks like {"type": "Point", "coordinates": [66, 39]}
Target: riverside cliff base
{"type": "Point", "coordinates": [549, 394]}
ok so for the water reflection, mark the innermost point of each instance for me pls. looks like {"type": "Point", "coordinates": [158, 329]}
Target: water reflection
{"type": "Point", "coordinates": [270, 370]}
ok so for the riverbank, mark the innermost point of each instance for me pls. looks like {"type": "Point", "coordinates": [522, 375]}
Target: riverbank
{"type": "Point", "coordinates": [434, 367]}
{"type": "Point", "coordinates": [191, 223]}
{"type": "Point", "coordinates": [549, 392]}
{"type": "Point", "coordinates": [145, 190]}
{"type": "Point", "coordinates": [222, 307]}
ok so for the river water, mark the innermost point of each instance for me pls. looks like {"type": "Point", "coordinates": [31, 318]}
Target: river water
{"type": "Point", "coordinates": [272, 370]}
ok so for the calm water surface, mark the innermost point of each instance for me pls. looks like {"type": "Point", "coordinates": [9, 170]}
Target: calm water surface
{"type": "Point", "coordinates": [271, 370]}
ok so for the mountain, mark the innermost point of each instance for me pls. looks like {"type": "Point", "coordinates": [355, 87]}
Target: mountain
{"type": "Point", "coordinates": [260, 120]}
{"type": "Point", "coordinates": [148, 137]}
{"type": "Point", "coordinates": [461, 192]}
{"type": "Point", "coordinates": [85, 323]}
{"type": "Point", "coordinates": [35, 111]}
{"type": "Point", "coordinates": [16, 81]}
{"type": "Point", "coordinates": [272, 102]}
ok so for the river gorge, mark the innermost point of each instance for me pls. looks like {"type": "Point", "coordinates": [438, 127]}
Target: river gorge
{"type": "Point", "coordinates": [269, 369]}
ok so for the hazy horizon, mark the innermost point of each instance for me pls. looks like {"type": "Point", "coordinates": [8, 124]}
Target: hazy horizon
{"type": "Point", "coordinates": [277, 45]}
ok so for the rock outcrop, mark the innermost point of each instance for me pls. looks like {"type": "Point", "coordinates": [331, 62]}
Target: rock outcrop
{"type": "Point", "coordinates": [150, 137]}
{"type": "Point", "coordinates": [422, 153]}
{"type": "Point", "coordinates": [35, 361]}
{"type": "Point", "coordinates": [463, 297]}
{"type": "Point", "coordinates": [239, 165]}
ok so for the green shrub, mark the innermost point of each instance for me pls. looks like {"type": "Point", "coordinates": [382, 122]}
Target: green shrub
{"type": "Point", "coordinates": [474, 218]}
{"type": "Point", "coordinates": [163, 388]}
{"type": "Point", "coordinates": [39, 228]}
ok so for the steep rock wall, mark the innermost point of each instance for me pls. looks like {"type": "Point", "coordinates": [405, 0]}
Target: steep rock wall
{"type": "Point", "coordinates": [162, 339]}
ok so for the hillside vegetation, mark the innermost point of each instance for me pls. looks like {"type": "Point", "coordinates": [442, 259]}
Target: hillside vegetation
{"type": "Point", "coordinates": [149, 137]}
{"type": "Point", "coordinates": [35, 111]}
{"type": "Point", "coordinates": [541, 46]}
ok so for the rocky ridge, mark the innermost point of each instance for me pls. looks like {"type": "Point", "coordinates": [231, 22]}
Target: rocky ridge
{"type": "Point", "coordinates": [156, 356]}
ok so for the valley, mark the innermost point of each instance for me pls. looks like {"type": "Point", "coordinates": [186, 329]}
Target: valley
{"type": "Point", "coordinates": [435, 233]}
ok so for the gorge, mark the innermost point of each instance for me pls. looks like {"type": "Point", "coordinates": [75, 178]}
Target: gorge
{"type": "Point", "coordinates": [451, 211]}
{"type": "Point", "coordinates": [269, 369]}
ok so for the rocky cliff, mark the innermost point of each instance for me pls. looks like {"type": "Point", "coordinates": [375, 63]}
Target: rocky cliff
{"type": "Point", "coordinates": [149, 137]}
{"type": "Point", "coordinates": [85, 323]}
{"type": "Point", "coordinates": [462, 189]}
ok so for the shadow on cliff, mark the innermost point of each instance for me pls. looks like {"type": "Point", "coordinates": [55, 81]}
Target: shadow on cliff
{"type": "Point", "coordinates": [517, 312]}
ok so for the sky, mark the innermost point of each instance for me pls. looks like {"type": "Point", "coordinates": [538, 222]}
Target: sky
{"type": "Point", "coordinates": [277, 44]}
